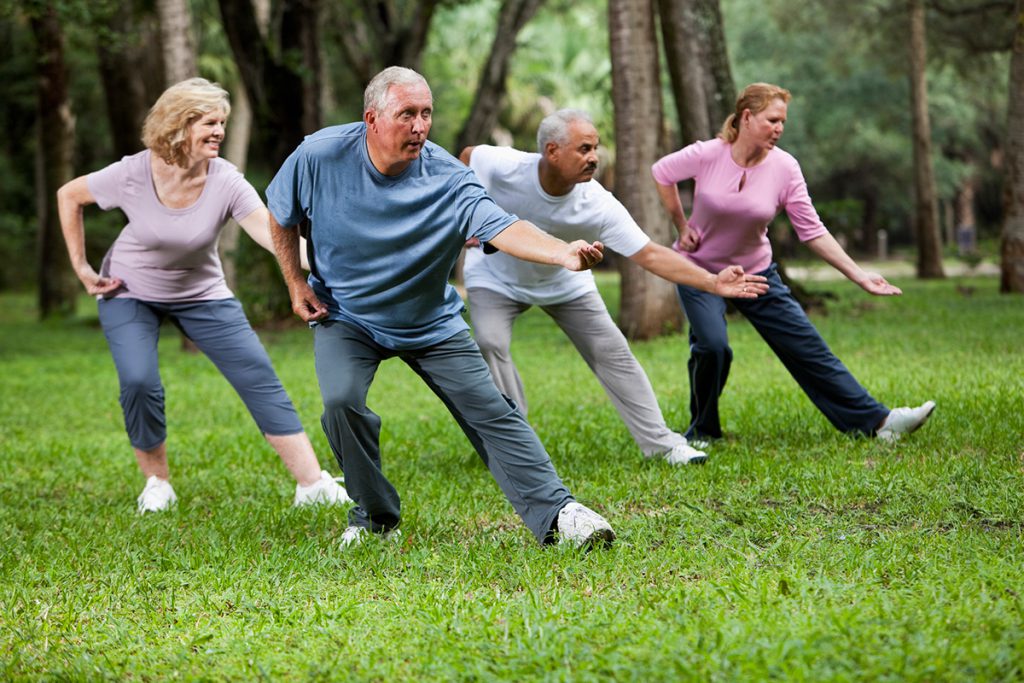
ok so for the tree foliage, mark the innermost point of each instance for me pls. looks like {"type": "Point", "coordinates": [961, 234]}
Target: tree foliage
{"type": "Point", "coordinates": [844, 62]}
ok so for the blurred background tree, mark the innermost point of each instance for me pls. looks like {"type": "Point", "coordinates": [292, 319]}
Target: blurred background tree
{"type": "Point", "coordinates": [497, 67]}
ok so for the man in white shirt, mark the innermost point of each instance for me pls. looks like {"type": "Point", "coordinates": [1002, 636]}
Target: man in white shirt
{"type": "Point", "coordinates": [555, 190]}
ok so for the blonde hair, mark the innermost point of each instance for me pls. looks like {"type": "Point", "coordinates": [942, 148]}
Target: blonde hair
{"type": "Point", "coordinates": [756, 97]}
{"type": "Point", "coordinates": [166, 128]}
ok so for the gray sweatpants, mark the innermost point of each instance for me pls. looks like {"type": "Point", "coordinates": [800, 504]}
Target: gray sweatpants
{"type": "Point", "coordinates": [589, 326]}
{"type": "Point", "coordinates": [346, 361]}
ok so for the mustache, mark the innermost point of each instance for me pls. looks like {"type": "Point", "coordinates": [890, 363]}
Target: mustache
{"type": "Point", "coordinates": [591, 167]}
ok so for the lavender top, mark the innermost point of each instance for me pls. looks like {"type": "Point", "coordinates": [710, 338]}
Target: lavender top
{"type": "Point", "coordinates": [164, 254]}
{"type": "Point", "coordinates": [733, 222]}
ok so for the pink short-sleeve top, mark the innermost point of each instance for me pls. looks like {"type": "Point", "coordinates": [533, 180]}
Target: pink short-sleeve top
{"type": "Point", "coordinates": [732, 221]}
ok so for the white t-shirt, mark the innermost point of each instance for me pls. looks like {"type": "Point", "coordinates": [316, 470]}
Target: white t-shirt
{"type": "Point", "coordinates": [589, 212]}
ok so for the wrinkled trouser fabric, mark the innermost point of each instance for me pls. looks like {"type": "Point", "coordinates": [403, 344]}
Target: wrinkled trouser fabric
{"type": "Point", "coordinates": [585, 320]}
{"type": "Point", "coordinates": [221, 331]}
{"type": "Point", "coordinates": [782, 322]}
{"type": "Point", "coordinates": [346, 361]}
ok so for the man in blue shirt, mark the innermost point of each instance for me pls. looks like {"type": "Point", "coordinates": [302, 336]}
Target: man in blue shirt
{"type": "Point", "coordinates": [389, 213]}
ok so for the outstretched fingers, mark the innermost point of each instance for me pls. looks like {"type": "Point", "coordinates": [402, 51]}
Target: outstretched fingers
{"type": "Point", "coordinates": [733, 283]}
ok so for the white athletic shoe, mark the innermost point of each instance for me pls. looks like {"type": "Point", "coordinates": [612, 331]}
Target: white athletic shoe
{"type": "Point", "coordinates": [904, 421]}
{"type": "Point", "coordinates": [685, 454]}
{"type": "Point", "coordinates": [157, 496]}
{"type": "Point", "coordinates": [324, 491]}
{"type": "Point", "coordinates": [355, 535]}
{"type": "Point", "coordinates": [582, 527]}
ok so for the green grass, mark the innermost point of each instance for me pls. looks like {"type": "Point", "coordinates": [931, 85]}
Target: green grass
{"type": "Point", "coordinates": [797, 553]}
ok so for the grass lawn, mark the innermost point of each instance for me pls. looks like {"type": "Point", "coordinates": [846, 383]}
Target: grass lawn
{"type": "Point", "coordinates": [796, 553]}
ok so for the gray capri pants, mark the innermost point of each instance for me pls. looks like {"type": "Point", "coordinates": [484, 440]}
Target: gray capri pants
{"type": "Point", "coordinates": [221, 331]}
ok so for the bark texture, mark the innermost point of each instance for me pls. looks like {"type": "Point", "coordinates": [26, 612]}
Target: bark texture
{"type": "Point", "coordinates": [926, 214]}
{"type": "Point", "coordinates": [648, 304]}
{"type": "Point", "coordinates": [57, 285]}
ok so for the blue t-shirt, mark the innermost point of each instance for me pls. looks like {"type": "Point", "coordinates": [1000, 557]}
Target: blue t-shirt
{"type": "Point", "coordinates": [384, 246]}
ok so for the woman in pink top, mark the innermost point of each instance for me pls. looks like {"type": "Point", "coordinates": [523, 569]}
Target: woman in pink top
{"type": "Point", "coordinates": [742, 181]}
{"type": "Point", "coordinates": [177, 195]}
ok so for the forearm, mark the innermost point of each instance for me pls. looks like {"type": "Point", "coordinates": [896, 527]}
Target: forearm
{"type": "Point", "coordinates": [673, 267]}
{"type": "Point", "coordinates": [72, 224]}
{"type": "Point", "coordinates": [669, 196]}
{"type": "Point", "coordinates": [257, 226]}
{"type": "Point", "coordinates": [286, 250]}
{"type": "Point", "coordinates": [526, 241]}
{"type": "Point", "coordinates": [830, 251]}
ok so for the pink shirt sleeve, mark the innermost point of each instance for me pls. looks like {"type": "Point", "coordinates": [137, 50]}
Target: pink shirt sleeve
{"type": "Point", "coordinates": [678, 166]}
{"type": "Point", "coordinates": [797, 201]}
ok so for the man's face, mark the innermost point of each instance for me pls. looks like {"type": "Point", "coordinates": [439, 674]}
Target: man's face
{"type": "Point", "coordinates": [399, 132]}
{"type": "Point", "coordinates": [576, 160]}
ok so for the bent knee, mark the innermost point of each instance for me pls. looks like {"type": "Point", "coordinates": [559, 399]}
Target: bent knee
{"type": "Point", "coordinates": [717, 346]}
{"type": "Point", "coordinates": [344, 399]}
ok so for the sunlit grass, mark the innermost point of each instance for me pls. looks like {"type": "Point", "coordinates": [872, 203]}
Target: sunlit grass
{"type": "Point", "coordinates": [797, 553]}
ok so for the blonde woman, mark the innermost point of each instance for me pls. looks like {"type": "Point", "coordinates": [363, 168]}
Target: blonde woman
{"type": "Point", "coordinates": [742, 181]}
{"type": "Point", "coordinates": [177, 195]}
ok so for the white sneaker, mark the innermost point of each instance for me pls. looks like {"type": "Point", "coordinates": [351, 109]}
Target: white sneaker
{"type": "Point", "coordinates": [684, 454]}
{"type": "Point", "coordinates": [157, 496]}
{"type": "Point", "coordinates": [326, 491]}
{"type": "Point", "coordinates": [904, 421]}
{"type": "Point", "coordinates": [355, 535]}
{"type": "Point", "coordinates": [583, 527]}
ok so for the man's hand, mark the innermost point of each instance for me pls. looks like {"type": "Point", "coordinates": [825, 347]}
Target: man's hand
{"type": "Point", "coordinates": [305, 304]}
{"type": "Point", "coordinates": [582, 255]}
{"type": "Point", "coordinates": [873, 283]}
{"type": "Point", "coordinates": [733, 283]}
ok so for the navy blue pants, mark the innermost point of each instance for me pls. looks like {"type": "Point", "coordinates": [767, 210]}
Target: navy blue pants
{"type": "Point", "coordinates": [347, 359]}
{"type": "Point", "coordinates": [222, 332]}
{"type": "Point", "coordinates": [781, 321]}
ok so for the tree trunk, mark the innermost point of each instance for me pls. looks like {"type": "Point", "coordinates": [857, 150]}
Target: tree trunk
{"type": "Point", "coordinates": [648, 303]}
{"type": "Point", "coordinates": [284, 91]}
{"type": "Point", "coordinates": [58, 287]}
{"type": "Point", "coordinates": [374, 34]}
{"type": "Point", "coordinates": [283, 85]}
{"type": "Point", "coordinates": [720, 90]}
{"type": "Point", "coordinates": [1012, 242]}
{"type": "Point", "coordinates": [176, 41]}
{"type": "Point", "coordinates": [490, 92]}
{"type": "Point", "coordinates": [681, 34]}
{"type": "Point", "coordinates": [124, 90]}
{"type": "Point", "coordinates": [926, 214]}
{"type": "Point", "coordinates": [237, 152]}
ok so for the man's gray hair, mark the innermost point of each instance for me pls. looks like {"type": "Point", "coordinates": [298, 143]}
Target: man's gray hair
{"type": "Point", "coordinates": [555, 127]}
{"type": "Point", "coordinates": [375, 96]}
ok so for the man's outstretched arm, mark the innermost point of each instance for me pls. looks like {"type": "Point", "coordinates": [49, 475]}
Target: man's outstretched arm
{"type": "Point", "coordinates": [526, 241]}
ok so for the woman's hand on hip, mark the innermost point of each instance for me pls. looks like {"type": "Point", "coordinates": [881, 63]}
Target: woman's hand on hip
{"type": "Point", "coordinates": [95, 284]}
